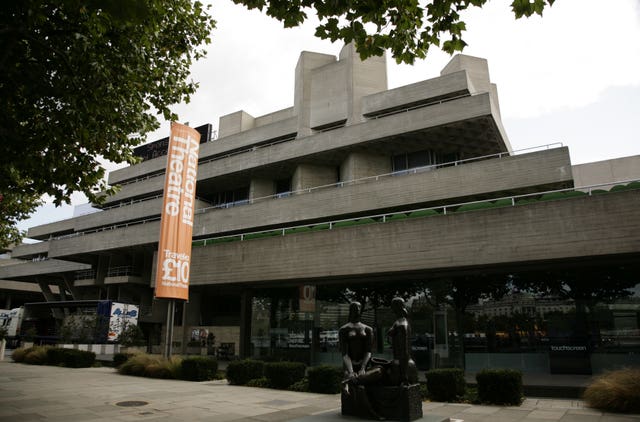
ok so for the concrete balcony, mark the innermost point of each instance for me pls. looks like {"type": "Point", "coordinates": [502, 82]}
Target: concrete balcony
{"type": "Point", "coordinates": [218, 147]}
{"type": "Point", "coordinates": [126, 236]}
{"type": "Point", "coordinates": [448, 86]}
{"type": "Point", "coordinates": [586, 228]}
{"type": "Point", "coordinates": [30, 250]}
{"type": "Point", "coordinates": [29, 270]}
{"type": "Point", "coordinates": [550, 169]}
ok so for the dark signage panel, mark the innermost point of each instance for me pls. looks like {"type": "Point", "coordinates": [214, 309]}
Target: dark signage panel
{"type": "Point", "coordinates": [159, 147]}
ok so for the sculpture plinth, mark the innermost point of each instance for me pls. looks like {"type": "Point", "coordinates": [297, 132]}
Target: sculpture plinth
{"type": "Point", "coordinates": [399, 403]}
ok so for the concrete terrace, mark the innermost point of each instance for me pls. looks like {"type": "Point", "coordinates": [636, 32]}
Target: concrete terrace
{"type": "Point", "coordinates": [46, 393]}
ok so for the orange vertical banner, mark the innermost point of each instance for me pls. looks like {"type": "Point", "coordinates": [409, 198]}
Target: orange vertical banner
{"type": "Point", "coordinates": [176, 225]}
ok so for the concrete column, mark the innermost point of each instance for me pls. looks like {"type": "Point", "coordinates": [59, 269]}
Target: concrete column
{"type": "Point", "coordinates": [302, 92]}
{"type": "Point", "coordinates": [309, 176]}
{"type": "Point", "coordinates": [363, 78]}
{"type": "Point", "coordinates": [235, 123]}
{"type": "Point", "coordinates": [246, 298]}
{"type": "Point", "coordinates": [259, 188]}
{"type": "Point", "coordinates": [361, 164]}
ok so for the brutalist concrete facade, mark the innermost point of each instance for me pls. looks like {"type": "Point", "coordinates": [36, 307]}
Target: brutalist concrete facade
{"type": "Point", "coordinates": [323, 191]}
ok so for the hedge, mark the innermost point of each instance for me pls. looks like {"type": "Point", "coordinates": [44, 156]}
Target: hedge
{"type": "Point", "coordinates": [239, 372]}
{"type": "Point", "coordinates": [325, 379]}
{"type": "Point", "coordinates": [199, 368]}
{"type": "Point", "coordinates": [500, 386]}
{"type": "Point", "coordinates": [283, 374]}
{"type": "Point", "coordinates": [446, 384]}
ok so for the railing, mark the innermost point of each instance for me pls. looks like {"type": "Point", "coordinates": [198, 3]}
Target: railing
{"type": "Point", "coordinates": [395, 173]}
{"type": "Point", "coordinates": [373, 115]}
{"type": "Point", "coordinates": [504, 201]}
{"type": "Point", "coordinates": [85, 275]}
{"type": "Point", "coordinates": [214, 158]}
{"type": "Point", "coordinates": [124, 270]}
{"type": "Point", "coordinates": [315, 188]}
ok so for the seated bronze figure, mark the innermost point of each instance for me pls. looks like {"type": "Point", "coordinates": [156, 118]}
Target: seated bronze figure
{"type": "Point", "coordinates": [375, 388]}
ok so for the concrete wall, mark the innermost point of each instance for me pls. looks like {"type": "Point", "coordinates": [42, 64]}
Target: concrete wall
{"type": "Point", "coordinates": [592, 226]}
{"type": "Point", "coordinates": [309, 176]}
{"type": "Point", "coordinates": [543, 168]}
{"type": "Point", "coordinates": [477, 70]}
{"type": "Point", "coordinates": [362, 164]}
{"type": "Point", "coordinates": [235, 123]}
{"type": "Point", "coordinates": [29, 250]}
{"type": "Point", "coordinates": [418, 92]}
{"type": "Point", "coordinates": [50, 266]}
{"type": "Point", "coordinates": [261, 188]}
{"type": "Point", "coordinates": [607, 171]}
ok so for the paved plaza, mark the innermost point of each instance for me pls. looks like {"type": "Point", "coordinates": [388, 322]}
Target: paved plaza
{"type": "Point", "coordinates": [47, 393]}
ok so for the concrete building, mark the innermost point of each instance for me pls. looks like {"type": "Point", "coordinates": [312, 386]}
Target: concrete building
{"type": "Point", "coordinates": [360, 191]}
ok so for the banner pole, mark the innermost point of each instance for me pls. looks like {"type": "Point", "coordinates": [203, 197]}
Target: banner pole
{"type": "Point", "coordinates": [171, 309]}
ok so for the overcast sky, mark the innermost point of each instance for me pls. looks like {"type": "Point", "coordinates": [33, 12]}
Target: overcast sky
{"type": "Point", "coordinates": [572, 76]}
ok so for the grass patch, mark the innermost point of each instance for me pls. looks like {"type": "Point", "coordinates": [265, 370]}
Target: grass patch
{"type": "Point", "coordinates": [616, 391]}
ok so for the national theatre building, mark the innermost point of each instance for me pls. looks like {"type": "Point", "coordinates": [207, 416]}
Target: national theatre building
{"type": "Point", "coordinates": [505, 258]}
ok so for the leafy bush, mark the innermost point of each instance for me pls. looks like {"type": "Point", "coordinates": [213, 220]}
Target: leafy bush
{"type": "Point", "coordinates": [500, 386]}
{"type": "Point", "coordinates": [282, 374]}
{"type": "Point", "coordinates": [616, 391]}
{"type": "Point", "coordinates": [301, 386]}
{"type": "Point", "coordinates": [78, 358]}
{"type": "Point", "coordinates": [239, 372]}
{"type": "Point", "coordinates": [325, 379]}
{"type": "Point", "coordinates": [136, 364]}
{"type": "Point", "coordinates": [55, 356]}
{"type": "Point", "coordinates": [199, 368]}
{"type": "Point", "coordinates": [120, 358]}
{"type": "Point", "coordinates": [258, 382]}
{"type": "Point", "coordinates": [445, 384]}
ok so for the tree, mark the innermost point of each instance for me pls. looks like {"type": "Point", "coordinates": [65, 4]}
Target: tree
{"type": "Point", "coordinates": [82, 81]}
{"type": "Point", "coordinates": [405, 27]}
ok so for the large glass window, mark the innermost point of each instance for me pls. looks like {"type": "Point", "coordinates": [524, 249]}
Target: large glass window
{"type": "Point", "coordinates": [578, 320]}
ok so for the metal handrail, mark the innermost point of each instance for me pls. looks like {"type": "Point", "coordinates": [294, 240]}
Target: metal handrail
{"type": "Point", "coordinates": [383, 217]}
{"type": "Point", "coordinates": [309, 190]}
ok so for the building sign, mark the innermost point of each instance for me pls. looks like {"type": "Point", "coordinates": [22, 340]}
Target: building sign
{"type": "Point", "coordinates": [307, 298]}
{"type": "Point", "coordinates": [176, 226]}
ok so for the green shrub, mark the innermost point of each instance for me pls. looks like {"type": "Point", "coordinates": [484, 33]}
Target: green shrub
{"type": "Point", "coordinates": [239, 372]}
{"type": "Point", "coordinates": [323, 226]}
{"type": "Point", "coordinates": [37, 355]}
{"type": "Point", "coordinates": [423, 213]}
{"type": "Point", "coordinates": [395, 217]}
{"type": "Point", "coordinates": [55, 356]}
{"type": "Point", "coordinates": [301, 386]}
{"type": "Point", "coordinates": [258, 383]}
{"type": "Point", "coordinates": [616, 391]}
{"type": "Point", "coordinates": [553, 196]}
{"type": "Point", "coordinates": [445, 384]}
{"type": "Point", "coordinates": [136, 364]}
{"type": "Point", "coordinates": [500, 386]}
{"type": "Point", "coordinates": [505, 202]}
{"type": "Point", "coordinates": [120, 358]}
{"type": "Point", "coordinates": [72, 358]}
{"type": "Point", "coordinates": [199, 368]}
{"type": "Point", "coordinates": [282, 374]}
{"type": "Point", "coordinates": [324, 379]}
{"type": "Point", "coordinates": [475, 206]}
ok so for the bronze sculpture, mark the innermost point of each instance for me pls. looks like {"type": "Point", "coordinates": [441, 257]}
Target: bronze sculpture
{"type": "Point", "coordinates": [375, 388]}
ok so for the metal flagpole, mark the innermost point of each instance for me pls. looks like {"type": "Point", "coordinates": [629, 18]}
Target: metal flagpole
{"type": "Point", "coordinates": [171, 310]}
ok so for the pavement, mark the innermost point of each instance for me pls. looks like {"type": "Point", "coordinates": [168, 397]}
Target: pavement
{"type": "Point", "coordinates": [49, 393]}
